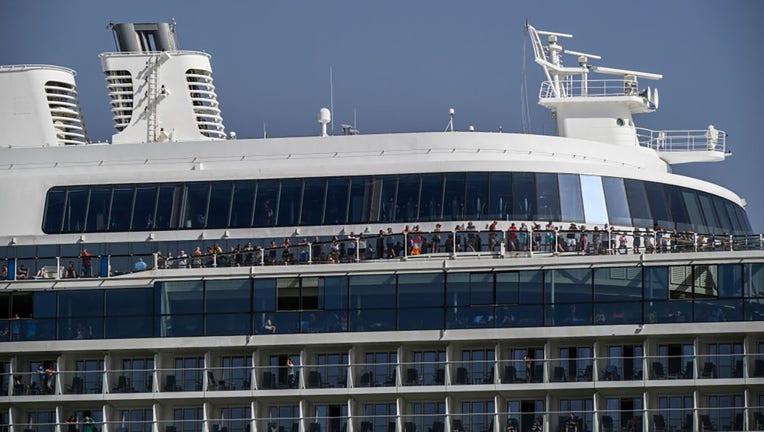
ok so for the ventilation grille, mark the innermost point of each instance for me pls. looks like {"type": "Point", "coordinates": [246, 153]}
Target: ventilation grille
{"type": "Point", "coordinates": [65, 112]}
{"type": "Point", "coordinates": [205, 103]}
{"type": "Point", "coordinates": [120, 86]}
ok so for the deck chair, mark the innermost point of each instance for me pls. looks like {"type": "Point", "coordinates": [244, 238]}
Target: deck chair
{"type": "Point", "coordinates": [659, 423]}
{"type": "Point", "coordinates": [658, 372]}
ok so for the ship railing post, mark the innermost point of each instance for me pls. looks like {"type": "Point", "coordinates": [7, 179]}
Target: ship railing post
{"type": "Point", "coordinates": [695, 241]}
{"type": "Point", "coordinates": [261, 256]}
{"type": "Point", "coordinates": [357, 249]}
{"type": "Point", "coordinates": [761, 241]}
{"type": "Point", "coordinates": [310, 253]}
{"type": "Point", "coordinates": [405, 245]}
{"type": "Point", "coordinates": [156, 260]}
{"type": "Point", "coordinates": [214, 260]}
{"type": "Point", "coordinates": [529, 234]}
{"type": "Point", "coordinates": [58, 267]}
{"type": "Point", "coordinates": [731, 239]}
{"type": "Point", "coordinates": [554, 233]}
{"type": "Point", "coordinates": [453, 243]}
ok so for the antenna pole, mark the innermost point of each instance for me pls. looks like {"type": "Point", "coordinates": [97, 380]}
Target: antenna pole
{"type": "Point", "coordinates": [331, 96]}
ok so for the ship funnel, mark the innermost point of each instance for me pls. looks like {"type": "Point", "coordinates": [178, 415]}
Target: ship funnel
{"type": "Point", "coordinates": [159, 93]}
{"type": "Point", "coordinates": [145, 37]}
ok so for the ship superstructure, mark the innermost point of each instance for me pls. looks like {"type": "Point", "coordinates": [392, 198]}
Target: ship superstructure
{"type": "Point", "coordinates": [177, 279]}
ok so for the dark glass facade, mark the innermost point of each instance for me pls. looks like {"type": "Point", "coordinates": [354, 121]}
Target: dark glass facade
{"type": "Point", "coordinates": [420, 301]}
{"type": "Point", "coordinates": [409, 198]}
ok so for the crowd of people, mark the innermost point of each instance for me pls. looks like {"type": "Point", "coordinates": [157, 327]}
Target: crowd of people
{"type": "Point", "coordinates": [410, 242]}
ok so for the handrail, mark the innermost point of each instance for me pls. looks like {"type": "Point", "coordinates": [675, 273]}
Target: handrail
{"type": "Point", "coordinates": [458, 244]}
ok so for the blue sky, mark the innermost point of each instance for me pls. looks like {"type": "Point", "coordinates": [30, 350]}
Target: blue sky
{"type": "Point", "coordinates": [400, 65]}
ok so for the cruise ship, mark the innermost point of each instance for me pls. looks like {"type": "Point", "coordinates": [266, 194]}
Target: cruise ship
{"type": "Point", "coordinates": [181, 279]}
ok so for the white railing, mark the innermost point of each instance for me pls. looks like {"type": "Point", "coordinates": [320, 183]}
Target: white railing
{"type": "Point", "coordinates": [683, 140]}
{"type": "Point", "coordinates": [572, 87]}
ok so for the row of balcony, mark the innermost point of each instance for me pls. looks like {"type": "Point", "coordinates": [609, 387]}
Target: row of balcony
{"type": "Point", "coordinates": [490, 372]}
{"type": "Point", "coordinates": [679, 420]}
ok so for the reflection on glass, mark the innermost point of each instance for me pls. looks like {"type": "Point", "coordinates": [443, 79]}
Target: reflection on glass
{"type": "Point", "coordinates": [594, 200]}
{"type": "Point", "coordinates": [572, 207]}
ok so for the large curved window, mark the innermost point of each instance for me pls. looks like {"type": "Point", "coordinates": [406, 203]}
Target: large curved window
{"type": "Point", "coordinates": [405, 199]}
{"type": "Point", "coordinates": [617, 204]}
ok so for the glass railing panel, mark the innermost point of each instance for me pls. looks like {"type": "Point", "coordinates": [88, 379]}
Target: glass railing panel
{"type": "Point", "coordinates": [473, 372]}
{"type": "Point", "coordinates": [423, 373]}
{"type": "Point", "coordinates": [132, 381]}
{"type": "Point", "coordinates": [282, 424]}
{"type": "Point", "coordinates": [671, 419]}
{"type": "Point", "coordinates": [181, 380]}
{"type": "Point", "coordinates": [375, 374]}
{"type": "Point", "coordinates": [325, 376]}
{"type": "Point", "coordinates": [375, 423]}
{"type": "Point", "coordinates": [34, 383]}
{"type": "Point", "coordinates": [82, 382]}
{"type": "Point", "coordinates": [620, 368]}
{"type": "Point", "coordinates": [229, 378]}
{"type": "Point", "coordinates": [521, 371]}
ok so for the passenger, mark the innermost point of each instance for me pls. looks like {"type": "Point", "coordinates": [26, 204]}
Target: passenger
{"type": "Point", "coordinates": [570, 238]}
{"type": "Point", "coordinates": [522, 237]}
{"type": "Point", "coordinates": [196, 261]}
{"type": "Point", "coordinates": [140, 265]}
{"type": "Point", "coordinates": [380, 249]}
{"type": "Point", "coordinates": [435, 239]}
{"type": "Point", "coordinates": [571, 424]}
{"type": "Point", "coordinates": [512, 235]}
{"type": "Point", "coordinates": [182, 259]}
{"type": "Point", "coordinates": [70, 272]}
{"type": "Point", "coordinates": [269, 325]}
{"type": "Point", "coordinates": [4, 273]}
{"type": "Point", "coordinates": [622, 243]}
{"type": "Point", "coordinates": [249, 252]}
{"type": "Point", "coordinates": [22, 272]}
{"type": "Point", "coordinates": [87, 263]}
{"type": "Point", "coordinates": [636, 240]}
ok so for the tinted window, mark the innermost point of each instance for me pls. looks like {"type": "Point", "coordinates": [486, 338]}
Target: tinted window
{"type": "Point", "coordinates": [548, 194]}
{"type": "Point", "coordinates": [737, 228]}
{"type": "Point", "coordinates": [74, 210]}
{"type": "Point", "coordinates": [121, 208]}
{"type": "Point", "coordinates": [333, 292]}
{"type": "Point", "coordinates": [129, 302]}
{"type": "Point", "coordinates": [693, 211]}
{"type": "Point", "coordinates": [360, 199]}
{"type": "Point", "coordinates": [265, 202]}
{"type": "Point", "coordinates": [432, 197]}
{"type": "Point", "coordinates": [54, 208]}
{"type": "Point", "coordinates": [416, 290]}
{"type": "Point", "coordinates": [639, 207]}
{"type": "Point", "coordinates": [98, 208]}
{"type": "Point", "coordinates": [617, 204]}
{"type": "Point", "coordinates": [227, 296]}
{"type": "Point", "coordinates": [617, 284]}
{"type": "Point", "coordinates": [143, 211]}
{"type": "Point", "coordinates": [80, 303]}
{"type": "Point", "coordinates": [707, 207]}
{"type": "Point", "coordinates": [313, 201]}
{"type": "Point", "coordinates": [289, 202]}
{"type": "Point", "coordinates": [501, 196]}
{"type": "Point", "coordinates": [372, 291]}
{"type": "Point", "coordinates": [524, 195]}
{"type": "Point", "coordinates": [197, 197]}
{"type": "Point", "coordinates": [387, 206]}
{"type": "Point", "coordinates": [264, 295]}
{"type": "Point", "coordinates": [658, 207]}
{"type": "Point", "coordinates": [477, 195]}
{"type": "Point", "coordinates": [220, 205]}
{"type": "Point", "coordinates": [180, 297]}
{"type": "Point", "coordinates": [571, 206]}
{"type": "Point", "coordinates": [168, 206]}
{"type": "Point", "coordinates": [336, 201]}
{"type": "Point", "coordinates": [721, 213]}
{"type": "Point", "coordinates": [678, 211]}
{"type": "Point", "coordinates": [242, 204]}
{"type": "Point", "coordinates": [453, 197]}
{"type": "Point", "coordinates": [568, 286]}
{"type": "Point", "coordinates": [408, 198]}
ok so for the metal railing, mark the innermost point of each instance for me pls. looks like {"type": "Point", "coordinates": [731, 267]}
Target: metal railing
{"type": "Point", "coordinates": [683, 140]}
{"type": "Point", "coordinates": [413, 245]}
